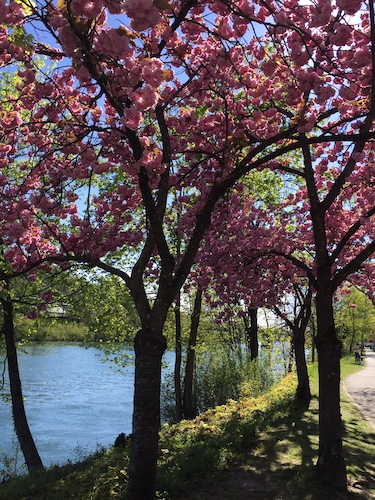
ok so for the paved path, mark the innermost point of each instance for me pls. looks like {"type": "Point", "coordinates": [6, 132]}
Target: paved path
{"type": "Point", "coordinates": [361, 387]}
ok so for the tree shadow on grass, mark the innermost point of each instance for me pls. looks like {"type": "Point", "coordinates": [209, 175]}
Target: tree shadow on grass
{"type": "Point", "coordinates": [359, 445]}
{"type": "Point", "coordinates": [280, 462]}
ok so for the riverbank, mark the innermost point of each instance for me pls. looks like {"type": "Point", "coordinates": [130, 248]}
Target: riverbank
{"type": "Point", "coordinates": [224, 455]}
{"type": "Point", "coordinates": [280, 463]}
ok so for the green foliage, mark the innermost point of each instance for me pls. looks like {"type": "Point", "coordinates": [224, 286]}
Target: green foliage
{"type": "Point", "coordinates": [84, 307]}
{"type": "Point", "coordinates": [265, 185]}
{"type": "Point", "coordinates": [221, 374]}
{"type": "Point", "coordinates": [188, 450]}
{"type": "Point", "coordinates": [355, 318]}
{"type": "Point", "coordinates": [99, 477]}
{"type": "Point", "coordinates": [47, 329]}
{"type": "Point", "coordinates": [20, 38]}
{"type": "Point", "coordinates": [104, 305]}
{"type": "Point", "coordinates": [13, 464]}
{"type": "Point", "coordinates": [193, 449]}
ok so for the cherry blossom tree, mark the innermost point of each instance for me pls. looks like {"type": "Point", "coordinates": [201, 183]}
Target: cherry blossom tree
{"type": "Point", "coordinates": [301, 312]}
{"type": "Point", "coordinates": [143, 99]}
{"type": "Point", "coordinates": [246, 263]}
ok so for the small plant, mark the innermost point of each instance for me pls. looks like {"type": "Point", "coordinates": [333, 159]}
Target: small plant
{"type": "Point", "coordinates": [12, 465]}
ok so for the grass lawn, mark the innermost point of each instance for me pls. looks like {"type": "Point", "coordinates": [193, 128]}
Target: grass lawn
{"type": "Point", "coordinates": [280, 463]}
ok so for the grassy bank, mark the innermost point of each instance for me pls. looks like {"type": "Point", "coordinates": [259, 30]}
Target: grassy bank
{"type": "Point", "coordinates": [279, 464]}
{"type": "Point", "coordinates": [258, 448]}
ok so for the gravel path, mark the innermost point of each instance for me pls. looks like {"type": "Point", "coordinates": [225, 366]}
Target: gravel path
{"type": "Point", "coordinates": [361, 387]}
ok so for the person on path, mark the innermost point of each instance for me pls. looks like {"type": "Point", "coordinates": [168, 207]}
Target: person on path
{"type": "Point", "coordinates": [357, 353]}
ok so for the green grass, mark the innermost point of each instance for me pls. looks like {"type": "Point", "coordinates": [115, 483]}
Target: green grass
{"type": "Point", "coordinates": [279, 464]}
{"type": "Point", "coordinates": [259, 448]}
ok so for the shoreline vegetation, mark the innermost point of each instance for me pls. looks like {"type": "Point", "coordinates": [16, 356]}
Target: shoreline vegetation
{"type": "Point", "coordinates": [264, 446]}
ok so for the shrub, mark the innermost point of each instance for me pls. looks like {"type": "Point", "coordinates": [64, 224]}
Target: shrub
{"type": "Point", "coordinates": [192, 449]}
{"type": "Point", "coordinates": [221, 375]}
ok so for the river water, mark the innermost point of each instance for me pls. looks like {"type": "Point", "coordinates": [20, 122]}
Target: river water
{"type": "Point", "coordinates": [74, 401]}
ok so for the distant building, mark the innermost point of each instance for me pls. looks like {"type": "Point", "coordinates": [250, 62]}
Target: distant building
{"type": "Point", "coordinates": [57, 312]}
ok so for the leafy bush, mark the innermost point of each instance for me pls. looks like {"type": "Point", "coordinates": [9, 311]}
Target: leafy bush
{"type": "Point", "coordinates": [11, 464]}
{"type": "Point", "coordinates": [221, 375]}
{"type": "Point", "coordinates": [195, 448]}
{"type": "Point", "coordinates": [46, 329]}
{"type": "Point", "coordinates": [99, 477]}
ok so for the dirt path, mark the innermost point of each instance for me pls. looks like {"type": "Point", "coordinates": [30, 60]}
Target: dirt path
{"type": "Point", "coordinates": [361, 387]}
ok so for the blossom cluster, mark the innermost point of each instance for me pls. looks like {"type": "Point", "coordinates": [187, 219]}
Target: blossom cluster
{"type": "Point", "coordinates": [155, 110]}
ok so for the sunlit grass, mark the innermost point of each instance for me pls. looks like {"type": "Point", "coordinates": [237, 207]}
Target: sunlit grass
{"type": "Point", "coordinates": [280, 463]}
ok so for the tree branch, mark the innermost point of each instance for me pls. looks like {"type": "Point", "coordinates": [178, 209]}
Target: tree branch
{"type": "Point", "coordinates": [353, 265]}
{"type": "Point", "coordinates": [351, 232]}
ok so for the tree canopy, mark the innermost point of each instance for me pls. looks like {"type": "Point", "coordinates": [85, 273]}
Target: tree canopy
{"type": "Point", "coordinates": [144, 105]}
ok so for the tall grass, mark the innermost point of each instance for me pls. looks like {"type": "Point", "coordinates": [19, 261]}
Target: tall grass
{"type": "Point", "coordinates": [222, 374]}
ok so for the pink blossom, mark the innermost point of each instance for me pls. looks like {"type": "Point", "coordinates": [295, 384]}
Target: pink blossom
{"type": "Point", "coordinates": [132, 118]}
{"type": "Point", "coordinates": [321, 13]}
{"type": "Point", "coordinates": [32, 314]}
{"type": "Point", "coordinates": [89, 9]}
{"type": "Point", "coordinates": [115, 6]}
{"type": "Point", "coordinates": [114, 41]}
{"type": "Point", "coordinates": [349, 6]}
{"type": "Point", "coordinates": [145, 98]}
{"type": "Point", "coordinates": [47, 295]}
{"type": "Point", "coordinates": [15, 257]}
{"type": "Point", "coordinates": [12, 120]}
{"type": "Point", "coordinates": [68, 41]}
{"type": "Point", "coordinates": [4, 9]}
{"type": "Point", "coordinates": [143, 14]}
{"type": "Point", "coordinates": [100, 168]}
{"type": "Point", "coordinates": [349, 93]}
{"type": "Point", "coordinates": [152, 72]}
{"type": "Point", "coordinates": [16, 13]}
{"type": "Point", "coordinates": [342, 34]}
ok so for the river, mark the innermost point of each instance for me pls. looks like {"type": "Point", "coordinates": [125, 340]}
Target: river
{"type": "Point", "coordinates": [74, 401]}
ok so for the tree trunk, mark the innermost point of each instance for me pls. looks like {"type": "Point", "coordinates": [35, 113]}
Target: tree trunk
{"type": "Point", "coordinates": [331, 463]}
{"type": "Point", "coordinates": [189, 405]}
{"type": "Point", "coordinates": [303, 392]}
{"type": "Point", "coordinates": [149, 349]}
{"type": "Point", "coordinates": [29, 450]}
{"type": "Point", "coordinates": [178, 360]}
{"type": "Point", "coordinates": [253, 340]}
{"type": "Point", "coordinates": [251, 332]}
{"type": "Point", "coordinates": [313, 338]}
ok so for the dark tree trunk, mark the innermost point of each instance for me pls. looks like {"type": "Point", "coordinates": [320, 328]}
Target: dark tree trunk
{"type": "Point", "coordinates": [253, 340]}
{"type": "Point", "coordinates": [313, 337]}
{"type": "Point", "coordinates": [149, 349]}
{"type": "Point", "coordinates": [331, 462]}
{"type": "Point", "coordinates": [303, 392]}
{"type": "Point", "coordinates": [251, 332]}
{"type": "Point", "coordinates": [189, 405]}
{"type": "Point", "coordinates": [178, 361]}
{"type": "Point", "coordinates": [29, 450]}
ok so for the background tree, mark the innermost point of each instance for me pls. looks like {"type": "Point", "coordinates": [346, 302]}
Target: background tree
{"type": "Point", "coordinates": [355, 324]}
{"type": "Point", "coordinates": [297, 323]}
